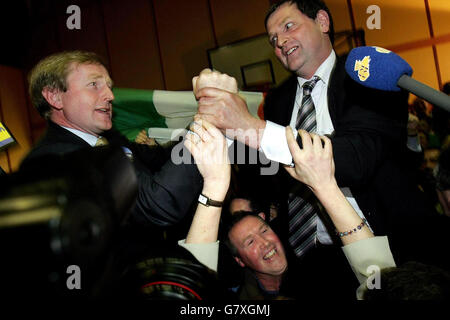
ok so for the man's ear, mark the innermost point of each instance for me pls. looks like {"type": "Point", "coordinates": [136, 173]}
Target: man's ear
{"type": "Point", "coordinates": [323, 20]}
{"type": "Point", "coordinates": [262, 215]}
{"type": "Point", "coordinates": [53, 97]}
{"type": "Point", "coordinates": [239, 261]}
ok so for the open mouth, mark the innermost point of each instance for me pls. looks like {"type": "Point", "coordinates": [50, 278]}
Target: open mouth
{"type": "Point", "coordinates": [289, 52]}
{"type": "Point", "coordinates": [104, 110]}
{"type": "Point", "coordinates": [270, 254]}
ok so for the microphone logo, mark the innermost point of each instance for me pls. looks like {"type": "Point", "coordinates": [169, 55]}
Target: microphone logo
{"type": "Point", "coordinates": [363, 68]}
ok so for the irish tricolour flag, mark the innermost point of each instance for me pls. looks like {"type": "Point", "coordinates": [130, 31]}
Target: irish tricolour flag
{"type": "Point", "coordinates": [162, 112]}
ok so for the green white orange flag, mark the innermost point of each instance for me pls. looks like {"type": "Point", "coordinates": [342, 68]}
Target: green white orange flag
{"type": "Point", "coordinates": [162, 112]}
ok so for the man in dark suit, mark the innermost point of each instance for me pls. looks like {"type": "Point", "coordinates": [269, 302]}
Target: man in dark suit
{"type": "Point", "coordinates": [368, 127]}
{"type": "Point", "coordinates": [72, 91]}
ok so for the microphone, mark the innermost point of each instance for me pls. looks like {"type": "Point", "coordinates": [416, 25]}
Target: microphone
{"type": "Point", "coordinates": [379, 68]}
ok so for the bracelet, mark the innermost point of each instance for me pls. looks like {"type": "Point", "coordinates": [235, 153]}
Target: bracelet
{"type": "Point", "coordinates": [358, 227]}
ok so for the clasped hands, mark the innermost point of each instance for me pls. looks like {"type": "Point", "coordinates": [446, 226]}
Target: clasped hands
{"type": "Point", "coordinates": [219, 105]}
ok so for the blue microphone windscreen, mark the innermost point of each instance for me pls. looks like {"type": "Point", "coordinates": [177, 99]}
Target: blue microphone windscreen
{"type": "Point", "coordinates": [375, 67]}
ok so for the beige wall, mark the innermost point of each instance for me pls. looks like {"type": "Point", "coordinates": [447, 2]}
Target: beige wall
{"type": "Point", "coordinates": [161, 44]}
{"type": "Point", "coordinates": [407, 28]}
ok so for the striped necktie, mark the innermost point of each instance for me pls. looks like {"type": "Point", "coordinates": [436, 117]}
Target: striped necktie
{"type": "Point", "coordinates": [302, 204]}
{"type": "Point", "coordinates": [306, 117]}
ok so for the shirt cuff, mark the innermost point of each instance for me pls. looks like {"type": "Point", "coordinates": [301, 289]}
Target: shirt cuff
{"type": "Point", "coordinates": [366, 253]}
{"type": "Point", "coordinates": [206, 253]}
{"type": "Point", "coordinates": [274, 144]}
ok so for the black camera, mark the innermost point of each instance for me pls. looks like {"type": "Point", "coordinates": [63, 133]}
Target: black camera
{"type": "Point", "coordinates": [59, 216]}
{"type": "Point", "coordinates": [171, 272]}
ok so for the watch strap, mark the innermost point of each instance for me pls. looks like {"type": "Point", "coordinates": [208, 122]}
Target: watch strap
{"type": "Point", "coordinates": [206, 201]}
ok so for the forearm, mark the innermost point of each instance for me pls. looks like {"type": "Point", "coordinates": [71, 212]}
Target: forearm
{"type": "Point", "coordinates": [251, 135]}
{"type": "Point", "coordinates": [205, 224]}
{"type": "Point", "coordinates": [165, 197]}
{"type": "Point", "coordinates": [341, 213]}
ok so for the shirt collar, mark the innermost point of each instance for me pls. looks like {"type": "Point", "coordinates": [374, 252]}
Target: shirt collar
{"type": "Point", "coordinates": [270, 293]}
{"type": "Point", "coordinates": [324, 70]}
{"type": "Point", "coordinates": [89, 138]}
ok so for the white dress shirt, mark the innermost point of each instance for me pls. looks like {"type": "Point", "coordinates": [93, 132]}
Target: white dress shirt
{"type": "Point", "coordinates": [89, 138]}
{"type": "Point", "coordinates": [92, 140]}
{"type": "Point", "coordinates": [274, 144]}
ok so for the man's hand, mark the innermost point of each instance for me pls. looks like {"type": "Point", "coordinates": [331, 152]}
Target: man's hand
{"type": "Point", "coordinates": [210, 151]}
{"type": "Point", "coordinates": [314, 165]}
{"type": "Point", "coordinates": [143, 138]}
{"type": "Point", "coordinates": [219, 104]}
{"type": "Point", "coordinates": [214, 79]}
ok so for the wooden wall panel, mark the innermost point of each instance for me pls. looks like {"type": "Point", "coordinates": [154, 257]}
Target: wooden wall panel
{"type": "Point", "coordinates": [161, 44]}
{"type": "Point", "coordinates": [440, 15]}
{"type": "Point", "coordinates": [422, 63]}
{"type": "Point", "coordinates": [185, 33]}
{"type": "Point", "coordinates": [401, 21]}
{"type": "Point", "coordinates": [236, 19]}
{"type": "Point", "coordinates": [43, 39]}
{"type": "Point", "coordinates": [14, 33]}
{"type": "Point", "coordinates": [4, 162]}
{"type": "Point", "coordinates": [341, 17]}
{"type": "Point", "coordinates": [91, 36]}
{"type": "Point", "coordinates": [14, 110]}
{"type": "Point", "coordinates": [443, 53]}
{"type": "Point", "coordinates": [132, 42]}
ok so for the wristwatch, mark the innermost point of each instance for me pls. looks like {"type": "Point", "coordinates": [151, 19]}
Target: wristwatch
{"type": "Point", "coordinates": [204, 200]}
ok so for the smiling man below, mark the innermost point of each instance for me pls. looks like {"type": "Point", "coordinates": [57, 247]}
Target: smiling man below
{"type": "Point", "coordinates": [256, 246]}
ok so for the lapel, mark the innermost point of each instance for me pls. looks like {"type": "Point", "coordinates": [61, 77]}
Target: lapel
{"type": "Point", "coordinates": [57, 134]}
{"type": "Point", "coordinates": [336, 89]}
{"type": "Point", "coordinates": [282, 102]}
{"type": "Point", "coordinates": [290, 101]}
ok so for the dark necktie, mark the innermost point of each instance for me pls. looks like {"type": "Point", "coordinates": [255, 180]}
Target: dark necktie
{"type": "Point", "coordinates": [306, 116]}
{"type": "Point", "coordinates": [302, 204]}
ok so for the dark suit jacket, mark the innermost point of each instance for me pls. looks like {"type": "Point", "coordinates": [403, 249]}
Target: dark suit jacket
{"type": "Point", "coordinates": [165, 191]}
{"type": "Point", "coordinates": [369, 148]}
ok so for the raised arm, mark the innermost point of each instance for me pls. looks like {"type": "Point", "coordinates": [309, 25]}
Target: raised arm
{"type": "Point", "coordinates": [314, 166]}
{"type": "Point", "coordinates": [209, 149]}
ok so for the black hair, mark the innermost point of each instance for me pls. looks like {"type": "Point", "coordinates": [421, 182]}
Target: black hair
{"type": "Point", "coordinates": [411, 281]}
{"type": "Point", "coordinates": [310, 8]}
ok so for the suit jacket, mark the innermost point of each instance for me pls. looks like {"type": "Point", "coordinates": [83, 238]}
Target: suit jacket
{"type": "Point", "coordinates": [369, 148]}
{"type": "Point", "coordinates": [165, 191]}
